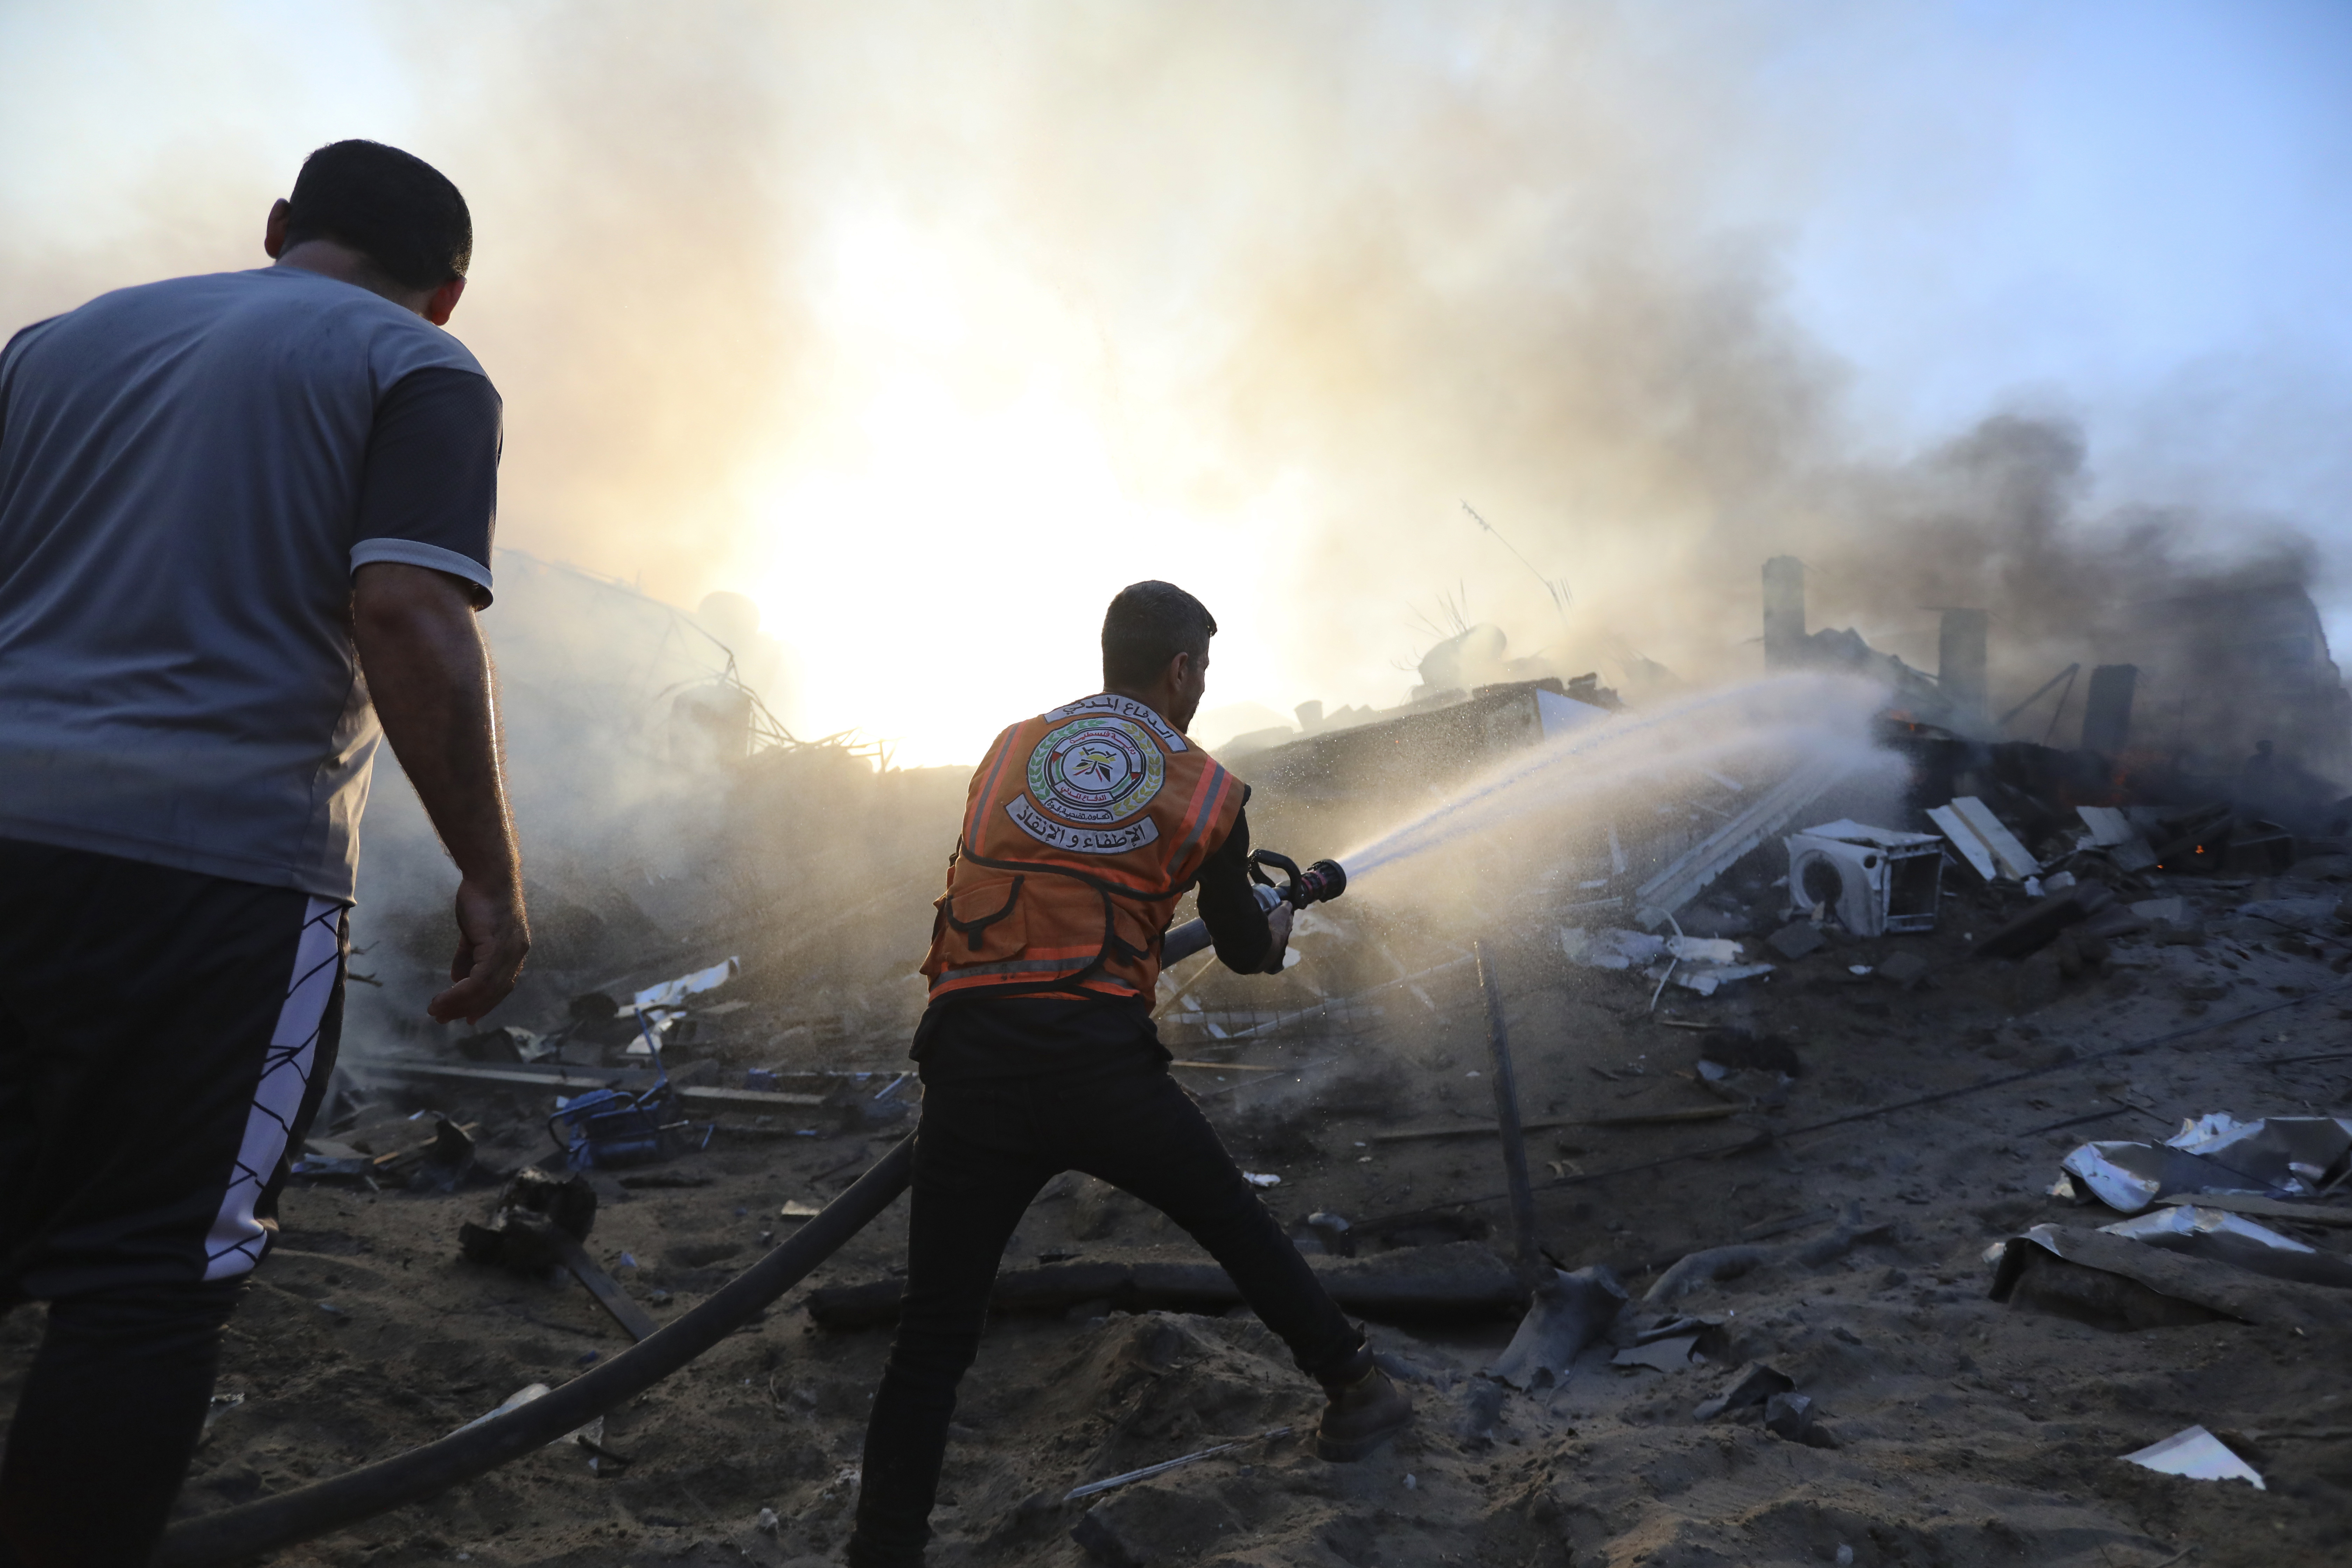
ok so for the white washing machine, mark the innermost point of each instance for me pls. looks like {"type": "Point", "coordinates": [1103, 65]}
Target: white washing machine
{"type": "Point", "coordinates": [1877, 880]}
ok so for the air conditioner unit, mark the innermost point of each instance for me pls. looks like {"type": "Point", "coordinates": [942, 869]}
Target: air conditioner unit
{"type": "Point", "coordinates": [1877, 880]}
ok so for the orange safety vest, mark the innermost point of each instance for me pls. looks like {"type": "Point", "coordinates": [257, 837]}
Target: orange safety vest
{"type": "Point", "coordinates": [1082, 829]}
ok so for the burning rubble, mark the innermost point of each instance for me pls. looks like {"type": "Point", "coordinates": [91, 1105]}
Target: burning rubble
{"type": "Point", "coordinates": [1694, 1131]}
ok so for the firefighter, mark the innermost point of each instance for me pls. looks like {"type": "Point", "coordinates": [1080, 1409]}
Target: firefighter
{"type": "Point", "coordinates": [1082, 828]}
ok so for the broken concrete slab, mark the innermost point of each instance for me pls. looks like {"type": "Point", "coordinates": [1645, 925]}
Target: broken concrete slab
{"type": "Point", "coordinates": [1795, 940]}
{"type": "Point", "coordinates": [1988, 845]}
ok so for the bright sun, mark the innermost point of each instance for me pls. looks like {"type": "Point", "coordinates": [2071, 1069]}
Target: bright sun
{"type": "Point", "coordinates": [939, 545]}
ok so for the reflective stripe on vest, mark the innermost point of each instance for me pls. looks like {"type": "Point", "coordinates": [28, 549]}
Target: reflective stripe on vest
{"type": "Point", "coordinates": [1083, 828]}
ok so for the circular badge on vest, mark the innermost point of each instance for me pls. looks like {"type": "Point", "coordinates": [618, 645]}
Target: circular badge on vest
{"type": "Point", "coordinates": [1099, 771]}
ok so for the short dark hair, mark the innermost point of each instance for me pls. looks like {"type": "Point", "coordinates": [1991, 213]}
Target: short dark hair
{"type": "Point", "coordinates": [1148, 625]}
{"type": "Point", "coordinates": [396, 208]}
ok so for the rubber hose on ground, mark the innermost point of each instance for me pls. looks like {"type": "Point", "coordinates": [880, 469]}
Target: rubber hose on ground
{"type": "Point", "coordinates": [267, 1523]}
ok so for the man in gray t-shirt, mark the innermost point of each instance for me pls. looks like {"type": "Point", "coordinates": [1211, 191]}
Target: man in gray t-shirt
{"type": "Point", "coordinates": [245, 527]}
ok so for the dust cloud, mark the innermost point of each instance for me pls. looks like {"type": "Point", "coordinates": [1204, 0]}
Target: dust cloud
{"type": "Point", "coordinates": [876, 314]}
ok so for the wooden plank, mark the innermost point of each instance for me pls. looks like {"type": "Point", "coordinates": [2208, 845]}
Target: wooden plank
{"type": "Point", "coordinates": [1638, 1118]}
{"type": "Point", "coordinates": [544, 1078]}
{"type": "Point", "coordinates": [635, 1319]}
{"type": "Point", "coordinates": [575, 1077]}
{"type": "Point", "coordinates": [700, 1096]}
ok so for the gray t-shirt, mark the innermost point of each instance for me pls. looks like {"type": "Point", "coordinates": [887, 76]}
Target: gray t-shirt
{"type": "Point", "coordinates": [182, 471]}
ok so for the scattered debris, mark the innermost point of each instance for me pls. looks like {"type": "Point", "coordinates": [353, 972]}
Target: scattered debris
{"type": "Point", "coordinates": [2198, 1454]}
{"type": "Point", "coordinates": [1797, 940]}
{"type": "Point", "coordinates": [1747, 1388]}
{"type": "Point", "coordinates": [1789, 1415]}
{"type": "Point", "coordinates": [670, 993]}
{"type": "Point", "coordinates": [2113, 831]}
{"type": "Point", "coordinates": [2041, 922]}
{"type": "Point", "coordinates": [1698, 963]}
{"type": "Point", "coordinates": [1656, 901]}
{"type": "Point", "coordinates": [1569, 1311]}
{"type": "Point", "coordinates": [1983, 840]}
{"type": "Point", "coordinates": [1162, 1469]}
{"type": "Point", "coordinates": [2233, 1238]}
{"type": "Point", "coordinates": [2276, 1157]}
{"type": "Point", "coordinates": [2113, 1283]}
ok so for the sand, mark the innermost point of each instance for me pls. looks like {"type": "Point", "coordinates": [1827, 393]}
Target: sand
{"type": "Point", "coordinates": [1965, 1431]}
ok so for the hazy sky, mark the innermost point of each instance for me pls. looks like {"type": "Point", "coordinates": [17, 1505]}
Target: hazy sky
{"type": "Point", "coordinates": [926, 326]}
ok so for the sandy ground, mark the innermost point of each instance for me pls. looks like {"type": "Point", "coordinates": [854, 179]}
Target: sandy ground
{"type": "Point", "coordinates": [1965, 1431]}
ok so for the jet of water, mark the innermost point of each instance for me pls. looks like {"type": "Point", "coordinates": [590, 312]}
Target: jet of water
{"type": "Point", "coordinates": [1773, 722]}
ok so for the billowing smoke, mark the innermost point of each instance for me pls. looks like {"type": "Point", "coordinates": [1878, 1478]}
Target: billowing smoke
{"type": "Point", "coordinates": [927, 327]}
{"type": "Point", "coordinates": [880, 314]}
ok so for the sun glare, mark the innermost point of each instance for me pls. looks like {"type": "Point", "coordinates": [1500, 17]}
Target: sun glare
{"type": "Point", "coordinates": [938, 546]}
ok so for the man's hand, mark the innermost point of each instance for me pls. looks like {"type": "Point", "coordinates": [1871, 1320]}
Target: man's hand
{"type": "Point", "coordinates": [492, 937]}
{"type": "Point", "coordinates": [1277, 922]}
{"type": "Point", "coordinates": [430, 676]}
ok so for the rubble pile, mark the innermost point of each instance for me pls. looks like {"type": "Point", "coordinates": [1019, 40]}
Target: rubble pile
{"type": "Point", "coordinates": [1956, 1174]}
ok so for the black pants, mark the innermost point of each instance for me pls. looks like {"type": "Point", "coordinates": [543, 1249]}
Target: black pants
{"type": "Point", "coordinates": [984, 1150]}
{"type": "Point", "coordinates": [164, 1038]}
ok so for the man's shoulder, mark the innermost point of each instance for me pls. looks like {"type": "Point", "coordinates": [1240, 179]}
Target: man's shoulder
{"type": "Point", "coordinates": [268, 302]}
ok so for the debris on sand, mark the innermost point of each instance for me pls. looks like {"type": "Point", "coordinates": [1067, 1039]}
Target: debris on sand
{"type": "Point", "coordinates": [2196, 1453]}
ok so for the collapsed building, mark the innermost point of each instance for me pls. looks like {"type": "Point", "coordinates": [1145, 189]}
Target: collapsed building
{"type": "Point", "coordinates": [1701, 1014]}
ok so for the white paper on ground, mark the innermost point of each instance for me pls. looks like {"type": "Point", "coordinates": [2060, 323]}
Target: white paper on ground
{"type": "Point", "coordinates": [2197, 1454]}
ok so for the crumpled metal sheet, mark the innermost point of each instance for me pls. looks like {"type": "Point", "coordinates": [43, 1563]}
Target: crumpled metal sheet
{"type": "Point", "coordinates": [2186, 1221]}
{"type": "Point", "coordinates": [2278, 1156]}
{"type": "Point", "coordinates": [2234, 1239]}
{"type": "Point", "coordinates": [2283, 1150]}
{"type": "Point", "coordinates": [2209, 1283]}
{"type": "Point", "coordinates": [2127, 1177]}
{"type": "Point", "coordinates": [1569, 1311]}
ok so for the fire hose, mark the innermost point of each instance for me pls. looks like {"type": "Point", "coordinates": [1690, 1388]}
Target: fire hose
{"type": "Point", "coordinates": [268, 1523]}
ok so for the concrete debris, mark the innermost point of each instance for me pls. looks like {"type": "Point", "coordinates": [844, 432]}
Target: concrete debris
{"type": "Point", "coordinates": [1703, 964]}
{"type": "Point", "coordinates": [1746, 1389]}
{"type": "Point", "coordinates": [1789, 1416]}
{"type": "Point", "coordinates": [2113, 831]}
{"type": "Point", "coordinates": [1983, 840]}
{"type": "Point", "coordinates": [1796, 940]}
{"type": "Point", "coordinates": [1683, 878]}
{"type": "Point", "coordinates": [2038, 925]}
{"type": "Point", "coordinates": [670, 993]}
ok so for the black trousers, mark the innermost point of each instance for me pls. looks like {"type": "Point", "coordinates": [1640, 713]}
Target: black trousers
{"type": "Point", "coordinates": [984, 1150]}
{"type": "Point", "coordinates": [164, 1039]}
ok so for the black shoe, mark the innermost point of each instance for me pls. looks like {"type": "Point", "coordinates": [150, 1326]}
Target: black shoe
{"type": "Point", "coordinates": [1363, 1414]}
